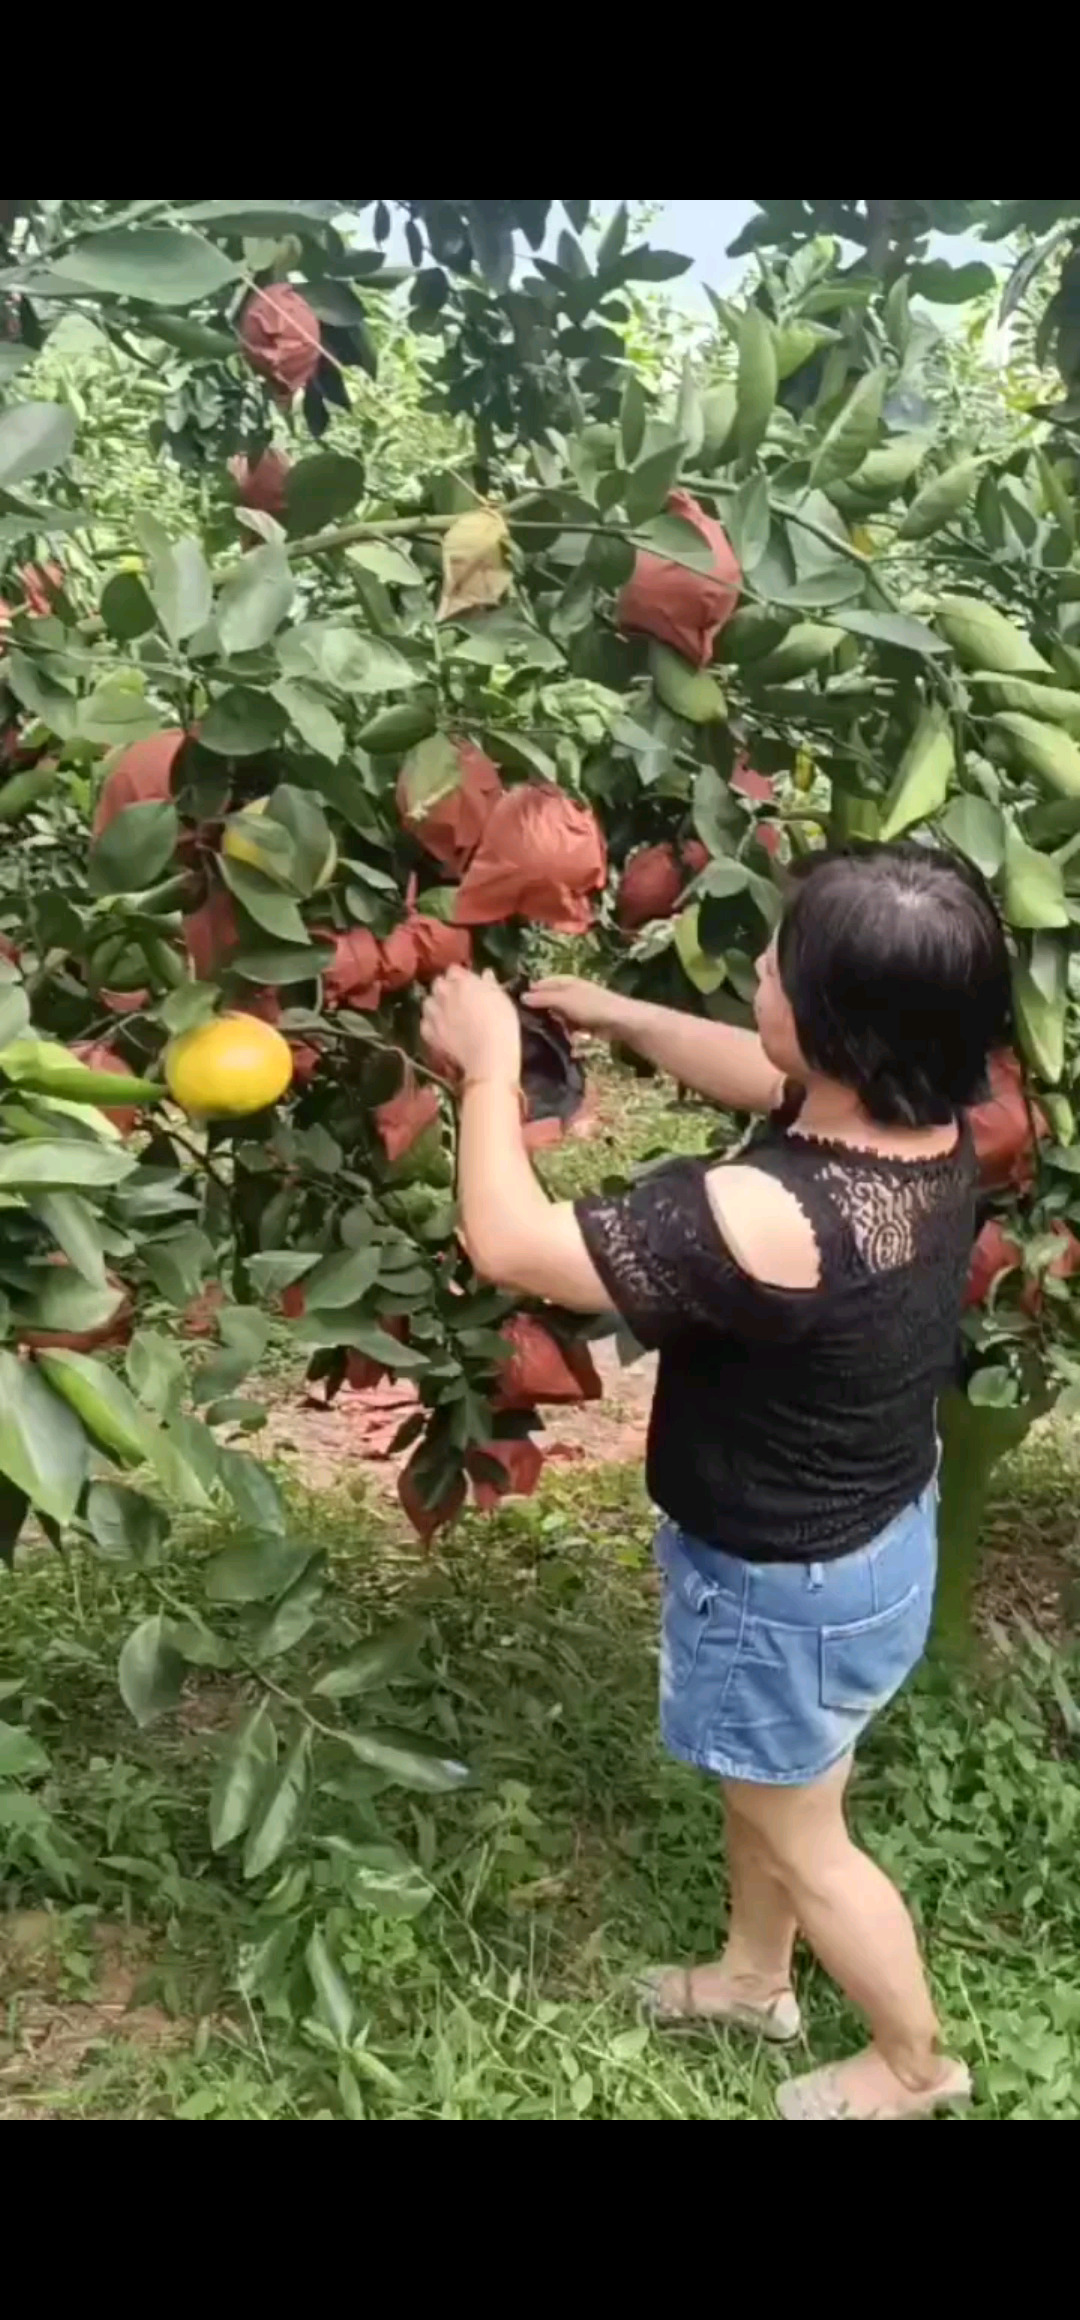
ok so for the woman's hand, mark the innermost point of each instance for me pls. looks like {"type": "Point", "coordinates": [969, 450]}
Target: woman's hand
{"type": "Point", "coordinates": [468, 1020]}
{"type": "Point", "coordinates": [584, 1006]}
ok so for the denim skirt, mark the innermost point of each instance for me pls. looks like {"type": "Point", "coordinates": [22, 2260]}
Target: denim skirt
{"type": "Point", "coordinates": [770, 1671]}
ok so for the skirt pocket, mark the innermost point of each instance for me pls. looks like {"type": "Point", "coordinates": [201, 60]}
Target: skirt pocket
{"type": "Point", "coordinates": [865, 1661]}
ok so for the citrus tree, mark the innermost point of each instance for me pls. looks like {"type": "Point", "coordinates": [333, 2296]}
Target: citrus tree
{"type": "Point", "coordinates": [606, 670]}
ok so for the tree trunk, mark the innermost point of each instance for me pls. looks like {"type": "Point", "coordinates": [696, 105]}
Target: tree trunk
{"type": "Point", "coordinates": [973, 1440]}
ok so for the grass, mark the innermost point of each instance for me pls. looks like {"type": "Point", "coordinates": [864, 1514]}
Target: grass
{"type": "Point", "coordinates": [577, 1853]}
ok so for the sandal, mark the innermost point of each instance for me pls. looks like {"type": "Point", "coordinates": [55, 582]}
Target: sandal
{"type": "Point", "coordinates": [820, 2095]}
{"type": "Point", "coordinates": [666, 1994]}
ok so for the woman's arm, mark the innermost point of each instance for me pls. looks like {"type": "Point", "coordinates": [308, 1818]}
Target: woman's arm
{"type": "Point", "coordinates": [513, 1233]}
{"type": "Point", "coordinates": [715, 1059]}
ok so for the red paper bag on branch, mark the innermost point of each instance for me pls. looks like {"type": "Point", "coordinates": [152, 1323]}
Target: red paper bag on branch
{"type": "Point", "coordinates": [653, 880]}
{"type": "Point", "coordinates": [1001, 1128]}
{"type": "Point", "coordinates": [353, 978]}
{"type": "Point", "coordinates": [99, 1056]}
{"type": "Point", "coordinates": [684, 608]}
{"type": "Point", "coordinates": [541, 857]}
{"type": "Point", "coordinates": [538, 1368]}
{"type": "Point", "coordinates": [142, 776]}
{"type": "Point", "coordinates": [429, 1519]}
{"type": "Point", "coordinates": [261, 483]}
{"type": "Point", "coordinates": [451, 829]}
{"type": "Point", "coordinates": [211, 934]}
{"type": "Point", "coordinates": [406, 1116]}
{"type": "Point", "coordinates": [522, 1464]}
{"type": "Point", "coordinates": [992, 1254]}
{"type": "Point", "coordinates": [280, 337]}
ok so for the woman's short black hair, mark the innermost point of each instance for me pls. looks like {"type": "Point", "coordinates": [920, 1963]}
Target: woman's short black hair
{"type": "Point", "coordinates": [894, 963]}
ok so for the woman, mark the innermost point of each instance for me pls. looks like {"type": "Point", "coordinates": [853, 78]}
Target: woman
{"type": "Point", "coordinates": [804, 1298]}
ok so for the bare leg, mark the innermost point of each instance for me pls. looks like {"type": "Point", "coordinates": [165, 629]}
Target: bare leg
{"type": "Point", "coordinates": [762, 1927]}
{"type": "Point", "coordinates": [860, 1929]}
{"type": "Point", "coordinates": [751, 1982]}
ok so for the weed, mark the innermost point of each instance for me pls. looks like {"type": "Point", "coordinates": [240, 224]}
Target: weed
{"type": "Point", "coordinates": [479, 1946]}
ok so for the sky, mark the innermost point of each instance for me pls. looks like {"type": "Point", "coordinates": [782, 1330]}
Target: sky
{"type": "Point", "coordinates": [703, 229]}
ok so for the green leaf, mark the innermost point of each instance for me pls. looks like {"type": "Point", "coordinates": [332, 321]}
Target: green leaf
{"type": "Point", "coordinates": [1040, 1005]}
{"type": "Point", "coordinates": [748, 521]}
{"type": "Point", "coordinates": [21, 1756]}
{"type": "Point", "coordinates": [241, 1772]}
{"type": "Point", "coordinates": [150, 1671]}
{"type": "Point", "coordinates": [253, 1491]}
{"type": "Point", "coordinates": [407, 1760]}
{"type": "Point", "coordinates": [135, 850]}
{"type": "Point", "coordinates": [993, 1388]}
{"type": "Point", "coordinates": [977, 831]}
{"type": "Point", "coordinates": [1034, 886]}
{"type": "Point", "coordinates": [387, 561]}
{"type": "Point", "coordinates": [891, 628]}
{"type": "Point", "coordinates": [648, 484]}
{"type": "Point", "coordinates": [351, 663]}
{"type": "Point", "coordinates": [342, 1327]}
{"type": "Point", "coordinates": [757, 380]}
{"type": "Point", "coordinates": [258, 1572]}
{"type": "Point", "coordinates": [492, 237]}
{"type": "Point", "coordinates": [261, 219]}
{"type": "Point", "coordinates": [43, 1449]}
{"type": "Point", "coordinates": [375, 1665]}
{"type": "Point", "coordinates": [322, 490]}
{"type": "Point", "coordinates": [179, 586]}
{"type": "Point", "coordinates": [245, 1334]}
{"type": "Point", "coordinates": [922, 781]}
{"type": "Point", "coordinates": [114, 714]}
{"type": "Point", "coordinates": [278, 1812]}
{"type": "Point", "coordinates": [946, 285]}
{"type": "Point", "coordinates": [276, 913]}
{"type": "Point", "coordinates": [33, 437]}
{"type": "Point", "coordinates": [681, 542]}
{"type": "Point", "coordinates": [14, 1013]}
{"type": "Point", "coordinates": [940, 499]}
{"type": "Point", "coordinates": [632, 414]}
{"type": "Point", "coordinates": [342, 1279]}
{"type": "Point", "coordinates": [335, 2005]}
{"type": "Point", "coordinates": [45, 1167]}
{"type": "Point", "coordinates": [314, 721]}
{"type": "Point", "coordinates": [75, 1229]}
{"type": "Point", "coordinates": [254, 599]}
{"type": "Point", "coordinates": [41, 693]}
{"type": "Point", "coordinates": [156, 265]}
{"type": "Point", "coordinates": [291, 1619]}
{"type": "Point", "coordinates": [285, 963]}
{"type": "Point", "coordinates": [242, 723]}
{"type": "Point", "coordinates": [125, 1526]}
{"type": "Point", "coordinates": [61, 1300]}
{"type": "Point", "coordinates": [14, 1508]}
{"type": "Point", "coordinates": [705, 973]}
{"type": "Point", "coordinates": [845, 444]}
{"type": "Point", "coordinates": [156, 1371]}
{"type": "Point", "coordinates": [689, 411]}
{"type": "Point", "coordinates": [645, 264]}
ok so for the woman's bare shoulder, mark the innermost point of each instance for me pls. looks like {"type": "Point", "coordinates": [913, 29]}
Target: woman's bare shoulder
{"type": "Point", "coordinates": [770, 1236]}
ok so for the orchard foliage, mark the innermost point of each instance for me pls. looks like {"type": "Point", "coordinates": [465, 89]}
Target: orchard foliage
{"type": "Point", "coordinates": [607, 673]}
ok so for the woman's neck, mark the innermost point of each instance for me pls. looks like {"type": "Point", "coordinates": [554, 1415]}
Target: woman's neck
{"type": "Point", "coordinates": [834, 1113]}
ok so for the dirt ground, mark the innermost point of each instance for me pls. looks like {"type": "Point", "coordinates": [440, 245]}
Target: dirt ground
{"type": "Point", "coordinates": [325, 1447]}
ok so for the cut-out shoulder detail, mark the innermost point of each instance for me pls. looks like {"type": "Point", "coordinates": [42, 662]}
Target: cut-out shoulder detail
{"type": "Point", "coordinates": [765, 1226]}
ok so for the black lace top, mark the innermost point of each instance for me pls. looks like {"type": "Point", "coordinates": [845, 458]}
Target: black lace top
{"type": "Point", "coordinates": [793, 1424]}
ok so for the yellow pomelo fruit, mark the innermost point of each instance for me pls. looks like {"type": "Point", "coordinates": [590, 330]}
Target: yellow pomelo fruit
{"type": "Point", "coordinates": [222, 1070]}
{"type": "Point", "coordinates": [245, 846]}
{"type": "Point", "coordinates": [241, 847]}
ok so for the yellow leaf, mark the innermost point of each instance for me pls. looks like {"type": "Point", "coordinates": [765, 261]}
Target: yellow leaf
{"type": "Point", "coordinates": [474, 574]}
